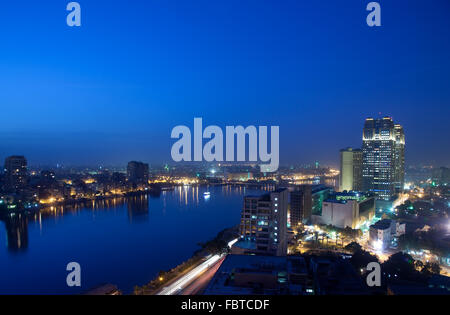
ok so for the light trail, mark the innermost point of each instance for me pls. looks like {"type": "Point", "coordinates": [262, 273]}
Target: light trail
{"type": "Point", "coordinates": [230, 244]}
{"type": "Point", "coordinates": [181, 283]}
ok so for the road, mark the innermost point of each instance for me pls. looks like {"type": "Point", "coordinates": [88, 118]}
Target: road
{"type": "Point", "coordinates": [199, 284]}
{"type": "Point", "coordinates": [195, 279]}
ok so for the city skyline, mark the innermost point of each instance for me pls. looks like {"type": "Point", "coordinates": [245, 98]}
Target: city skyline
{"type": "Point", "coordinates": [214, 151]}
{"type": "Point", "coordinates": [97, 94]}
{"type": "Point", "coordinates": [333, 162]}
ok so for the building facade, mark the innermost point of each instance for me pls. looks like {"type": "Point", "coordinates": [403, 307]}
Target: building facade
{"type": "Point", "coordinates": [383, 232]}
{"type": "Point", "coordinates": [380, 234]}
{"type": "Point", "coordinates": [261, 275]}
{"type": "Point", "coordinates": [15, 173]}
{"type": "Point", "coordinates": [300, 207]}
{"type": "Point", "coordinates": [344, 210]}
{"type": "Point", "coordinates": [137, 172]}
{"type": "Point", "coordinates": [399, 159]}
{"type": "Point", "coordinates": [307, 200]}
{"type": "Point", "coordinates": [383, 157]}
{"type": "Point", "coordinates": [350, 177]}
{"type": "Point", "coordinates": [264, 222]}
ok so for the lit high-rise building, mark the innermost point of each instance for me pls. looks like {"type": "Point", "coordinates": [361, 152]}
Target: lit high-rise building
{"type": "Point", "coordinates": [383, 157]}
{"type": "Point", "coordinates": [399, 180]}
{"type": "Point", "coordinates": [350, 178]}
{"type": "Point", "coordinates": [15, 173]}
{"type": "Point", "coordinates": [264, 222]}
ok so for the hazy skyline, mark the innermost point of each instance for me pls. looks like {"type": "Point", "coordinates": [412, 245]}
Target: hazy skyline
{"type": "Point", "coordinates": [112, 90]}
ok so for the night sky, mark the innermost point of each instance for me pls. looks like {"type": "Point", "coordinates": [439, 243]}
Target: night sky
{"type": "Point", "coordinates": [112, 90]}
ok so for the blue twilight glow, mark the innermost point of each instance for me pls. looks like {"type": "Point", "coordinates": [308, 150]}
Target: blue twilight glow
{"type": "Point", "coordinates": [110, 91]}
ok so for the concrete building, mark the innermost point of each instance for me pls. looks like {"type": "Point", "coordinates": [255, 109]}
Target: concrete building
{"type": "Point", "coordinates": [381, 234]}
{"type": "Point", "coordinates": [400, 229]}
{"type": "Point", "coordinates": [349, 209]}
{"type": "Point", "coordinates": [260, 275]}
{"type": "Point", "coordinates": [307, 200]}
{"type": "Point", "coordinates": [339, 213]}
{"type": "Point", "coordinates": [383, 157]}
{"type": "Point", "coordinates": [399, 159]}
{"type": "Point", "coordinates": [264, 222]}
{"type": "Point", "coordinates": [300, 206]}
{"type": "Point", "coordinates": [15, 173]}
{"type": "Point", "coordinates": [137, 172]}
{"type": "Point", "coordinates": [350, 177]}
{"type": "Point", "coordinates": [335, 276]}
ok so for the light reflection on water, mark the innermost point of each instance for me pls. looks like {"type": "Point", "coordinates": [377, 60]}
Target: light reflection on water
{"type": "Point", "coordinates": [124, 241]}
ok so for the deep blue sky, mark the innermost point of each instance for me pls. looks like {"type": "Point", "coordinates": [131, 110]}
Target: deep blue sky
{"type": "Point", "coordinates": [112, 90]}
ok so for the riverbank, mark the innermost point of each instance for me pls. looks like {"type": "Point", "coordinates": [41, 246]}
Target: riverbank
{"type": "Point", "coordinates": [216, 246]}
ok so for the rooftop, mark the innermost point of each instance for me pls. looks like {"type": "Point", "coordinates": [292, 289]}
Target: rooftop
{"type": "Point", "coordinates": [382, 225]}
{"type": "Point", "coordinates": [245, 244]}
{"type": "Point", "coordinates": [254, 274]}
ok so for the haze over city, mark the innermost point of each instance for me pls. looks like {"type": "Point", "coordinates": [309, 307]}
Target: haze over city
{"type": "Point", "coordinates": [112, 90]}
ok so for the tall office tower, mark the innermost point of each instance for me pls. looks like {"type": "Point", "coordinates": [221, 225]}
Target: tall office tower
{"type": "Point", "coordinates": [264, 223]}
{"type": "Point", "coordinates": [381, 166]}
{"type": "Point", "coordinates": [15, 173]}
{"type": "Point", "coordinates": [399, 159]}
{"type": "Point", "coordinates": [350, 178]}
{"type": "Point", "coordinates": [137, 172]}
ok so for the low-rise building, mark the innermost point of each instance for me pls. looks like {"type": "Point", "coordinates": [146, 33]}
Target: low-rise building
{"type": "Point", "coordinates": [347, 209]}
{"type": "Point", "coordinates": [335, 276]}
{"type": "Point", "coordinates": [380, 234]}
{"type": "Point", "coordinates": [261, 275]}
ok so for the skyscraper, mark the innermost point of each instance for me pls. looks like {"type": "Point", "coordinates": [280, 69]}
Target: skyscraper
{"type": "Point", "coordinates": [383, 157]}
{"type": "Point", "coordinates": [15, 173]}
{"type": "Point", "coordinates": [399, 180]}
{"type": "Point", "coordinates": [350, 177]}
{"type": "Point", "coordinates": [264, 222]}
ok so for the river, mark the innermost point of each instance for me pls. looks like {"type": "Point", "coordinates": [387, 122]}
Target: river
{"type": "Point", "coordinates": [124, 241]}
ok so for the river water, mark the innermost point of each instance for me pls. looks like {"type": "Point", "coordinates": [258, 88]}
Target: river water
{"type": "Point", "coordinates": [124, 241]}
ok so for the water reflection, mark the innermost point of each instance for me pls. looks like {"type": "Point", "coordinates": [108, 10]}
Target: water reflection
{"type": "Point", "coordinates": [16, 226]}
{"type": "Point", "coordinates": [138, 208]}
{"type": "Point", "coordinates": [107, 237]}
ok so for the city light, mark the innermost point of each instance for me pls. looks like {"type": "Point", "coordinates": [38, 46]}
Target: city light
{"type": "Point", "coordinates": [378, 245]}
{"type": "Point", "coordinates": [225, 148]}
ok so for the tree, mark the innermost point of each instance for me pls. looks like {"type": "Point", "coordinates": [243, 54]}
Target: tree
{"type": "Point", "coordinates": [361, 259]}
{"type": "Point", "coordinates": [431, 268]}
{"type": "Point", "coordinates": [418, 265]}
{"type": "Point", "coordinates": [400, 266]}
{"type": "Point", "coordinates": [353, 247]}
